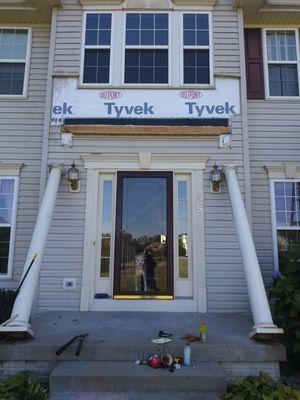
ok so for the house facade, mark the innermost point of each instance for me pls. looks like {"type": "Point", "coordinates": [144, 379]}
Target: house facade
{"type": "Point", "coordinates": [139, 106]}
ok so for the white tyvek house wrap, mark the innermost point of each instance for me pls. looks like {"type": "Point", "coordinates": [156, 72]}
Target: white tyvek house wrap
{"type": "Point", "coordinates": [69, 101]}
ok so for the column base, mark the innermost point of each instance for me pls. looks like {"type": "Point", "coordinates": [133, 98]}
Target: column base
{"type": "Point", "coordinates": [265, 332]}
{"type": "Point", "coordinates": [18, 331]}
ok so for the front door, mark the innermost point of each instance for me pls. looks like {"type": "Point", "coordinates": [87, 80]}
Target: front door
{"type": "Point", "coordinates": [144, 235]}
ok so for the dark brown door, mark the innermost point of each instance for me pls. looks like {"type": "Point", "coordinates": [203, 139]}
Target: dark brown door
{"type": "Point", "coordinates": [144, 235]}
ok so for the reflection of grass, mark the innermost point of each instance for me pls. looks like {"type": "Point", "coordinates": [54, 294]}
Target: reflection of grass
{"type": "Point", "coordinates": [183, 267]}
{"type": "Point", "coordinates": [128, 277]}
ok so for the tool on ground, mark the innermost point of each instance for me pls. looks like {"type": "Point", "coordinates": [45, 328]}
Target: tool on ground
{"type": "Point", "coordinates": [164, 334]}
{"type": "Point", "coordinates": [187, 354]}
{"type": "Point", "coordinates": [155, 361]}
{"type": "Point", "coordinates": [161, 341]}
{"type": "Point", "coordinates": [166, 360]}
{"type": "Point", "coordinates": [203, 332]}
{"type": "Point", "coordinates": [79, 347]}
{"type": "Point", "coordinates": [26, 273]}
{"type": "Point", "coordinates": [178, 362]}
{"type": "Point", "coordinates": [7, 310]}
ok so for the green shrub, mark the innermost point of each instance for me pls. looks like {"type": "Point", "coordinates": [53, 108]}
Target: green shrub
{"type": "Point", "coordinates": [23, 386]}
{"type": "Point", "coordinates": [286, 307]}
{"type": "Point", "coordinates": [260, 388]}
{"type": "Point", "coordinates": [7, 298]}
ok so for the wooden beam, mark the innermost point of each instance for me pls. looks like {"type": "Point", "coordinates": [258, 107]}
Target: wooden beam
{"type": "Point", "coordinates": [146, 130]}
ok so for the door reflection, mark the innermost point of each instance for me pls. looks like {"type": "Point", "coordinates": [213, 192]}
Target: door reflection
{"type": "Point", "coordinates": [144, 262]}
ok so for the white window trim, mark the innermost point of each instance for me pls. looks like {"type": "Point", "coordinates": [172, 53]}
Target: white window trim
{"type": "Point", "coordinates": [175, 50]}
{"type": "Point", "coordinates": [12, 225]}
{"type": "Point", "coordinates": [266, 63]}
{"type": "Point", "coordinates": [209, 48]}
{"type": "Point", "coordinates": [27, 64]}
{"type": "Point", "coordinates": [274, 222]}
{"type": "Point", "coordinates": [83, 47]}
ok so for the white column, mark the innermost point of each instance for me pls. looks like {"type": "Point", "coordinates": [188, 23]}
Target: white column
{"type": "Point", "coordinates": [24, 301]}
{"type": "Point", "coordinates": [263, 322]}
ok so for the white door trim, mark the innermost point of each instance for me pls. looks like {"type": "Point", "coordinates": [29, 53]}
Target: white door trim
{"type": "Point", "coordinates": [111, 163]}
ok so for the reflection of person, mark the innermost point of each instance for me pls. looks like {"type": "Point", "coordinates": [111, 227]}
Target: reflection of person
{"type": "Point", "coordinates": [140, 276]}
{"type": "Point", "coordinates": [150, 264]}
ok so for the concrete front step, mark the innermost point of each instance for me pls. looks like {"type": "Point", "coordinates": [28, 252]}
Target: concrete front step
{"type": "Point", "coordinates": [135, 396]}
{"type": "Point", "coordinates": [112, 376]}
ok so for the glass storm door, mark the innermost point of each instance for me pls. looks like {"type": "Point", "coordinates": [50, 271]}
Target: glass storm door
{"type": "Point", "coordinates": [144, 235]}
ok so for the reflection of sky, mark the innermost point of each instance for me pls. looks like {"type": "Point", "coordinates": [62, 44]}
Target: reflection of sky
{"type": "Point", "coordinates": [6, 200]}
{"type": "Point", "coordinates": [144, 206]}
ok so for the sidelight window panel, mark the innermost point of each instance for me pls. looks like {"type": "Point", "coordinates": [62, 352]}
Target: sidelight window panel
{"type": "Point", "coordinates": [106, 234]}
{"type": "Point", "coordinates": [182, 227]}
{"type": "Point", "coordinates": [7, 210]}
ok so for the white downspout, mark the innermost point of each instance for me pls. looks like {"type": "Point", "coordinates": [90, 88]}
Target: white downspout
{"type": "Point", "coordinates": [24, 301]}
{"type": "Point", "coordinates": [263, 322]}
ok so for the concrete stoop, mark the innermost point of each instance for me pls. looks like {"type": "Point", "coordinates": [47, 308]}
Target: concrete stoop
{"type": "Point", "coordinates": [93, 380]}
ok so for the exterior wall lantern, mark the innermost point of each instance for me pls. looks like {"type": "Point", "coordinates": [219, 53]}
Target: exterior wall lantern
{"type": "Point", "coordinates": [73, 178]}
{"type": "Point", "coordinates": [216, 177]}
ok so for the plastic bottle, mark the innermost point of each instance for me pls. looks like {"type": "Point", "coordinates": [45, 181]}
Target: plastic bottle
{"type": "Point", "coordinates": [187, 354]}
{"type": "Point", "coordinates": [203, 332]}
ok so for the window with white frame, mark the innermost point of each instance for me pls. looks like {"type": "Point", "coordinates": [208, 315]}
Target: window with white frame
{"type": "Point", "coordinates": [97, 51]}
{"type": "Point", "coordinates": [106, 227]}
{"type": "Point", "coordinates": [196, 49]}
{"type": "Point", "coordinates": [282, 58]}
{"type": "Point", "coordinates": [183, 227]}
{"type": "Point", "coordinates": [143, 55]}
{"type": "Point", "coordinates": [146, 48]}
{"type": "Point", "coordinates": [7, 223]}
{"type": "Point", "coordinates": [13, 60]}
{"type": "Point", "coordinates": [287, 213]}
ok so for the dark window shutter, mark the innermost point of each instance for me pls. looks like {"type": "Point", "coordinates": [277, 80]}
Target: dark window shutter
{"type": "Point", "coordinates": [254, 64]}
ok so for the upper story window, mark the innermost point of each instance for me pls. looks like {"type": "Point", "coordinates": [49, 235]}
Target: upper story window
{"type": "Point", "coordinates": [282, 54]}
{"type": "Point", "coordinates": [14, 61]}
{"type": "Point", "coordinates": [196, 48]}
{"type": "Point", "coordinates": [97, 48]}
{"type": "Point", "coordinates": [146, 48]}
{"type": "Point", "coordinates": [157, 48]}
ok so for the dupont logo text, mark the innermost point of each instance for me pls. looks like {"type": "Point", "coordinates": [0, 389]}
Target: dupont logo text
{"type": "Point", "coordinates": [110, 94]}
{"type": "Point", "coordinates": [191, 94]}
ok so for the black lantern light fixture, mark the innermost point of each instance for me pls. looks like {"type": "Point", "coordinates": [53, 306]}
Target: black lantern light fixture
{"type": "Point", "coordinates": [216, 177]}
{"type": "Point", "coordinates": [73, 178]}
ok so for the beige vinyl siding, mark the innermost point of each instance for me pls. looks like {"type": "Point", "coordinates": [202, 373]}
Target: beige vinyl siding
{"type": "Point", "coordinates": [21, 131]}
{"type": "Point", "coordinates": [274, 136]}
{"type": "Point", "coordinates": [69, 35]}
{"type": "Point", "coordinates": [226, 289]}
{"type": "Point", "coordinates": [226, 39]}
{"type": "Point", "coordinates": [68, 39]}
